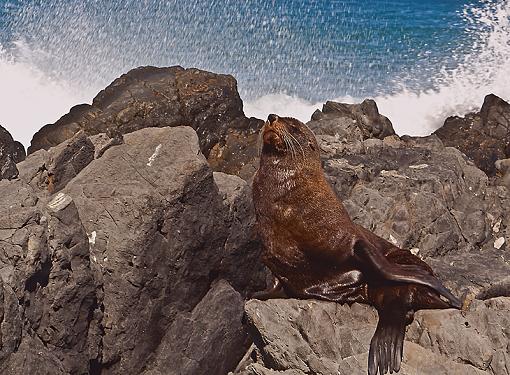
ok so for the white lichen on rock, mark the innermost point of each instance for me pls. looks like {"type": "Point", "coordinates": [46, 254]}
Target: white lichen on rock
{"type": "Point", "coordinates": [154, 155]}
{"type": "Point", "coordinates": [499, 242]}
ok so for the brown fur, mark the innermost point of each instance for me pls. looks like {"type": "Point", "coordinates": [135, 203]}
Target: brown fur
{"type": "Point", "coordinates": [310, 243]}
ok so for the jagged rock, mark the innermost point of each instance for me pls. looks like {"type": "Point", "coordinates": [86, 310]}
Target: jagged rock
{"type": "Point", "coordinates": [351, 121]}
{"type": "Point", "coordinates": [140, 262]}
{"type": "Point", "coordinates": [160, 97]}
{"type": "Point", "coordinates": [131, 245]}
{"type": "Point", "coordinates": [243, 249]}
{"type": "Point", "coordinates": [484, 137]}
{"type": "Point", "coordinates": [48, 288]}
{"type": "Point", "coordinates": [11, 152]}
{"type": "Point", "coordinates": [303, 337]}
{"type": "Point", "coordinates": [50, 171]}
{"type": "Point", "coordinates": [423, 196]}
{"type": "Point", "coordinates": [214, 326]}
{"type": "Point", "coordinates": [67, 160]}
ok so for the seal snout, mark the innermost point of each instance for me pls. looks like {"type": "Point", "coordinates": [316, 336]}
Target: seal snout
{"type": "Point", "coordinates": [272, 118]}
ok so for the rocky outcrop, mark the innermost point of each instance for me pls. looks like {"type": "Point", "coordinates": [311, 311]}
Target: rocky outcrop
{"type": "Point", "coordinates": [122, 252]}
{"type": "Point", "coordinates": [312, 337]}
{"type": "Point", "coordinates": [348, 122]}
{"type": "Point", "coordinates": [161, 97]}
{"type": "Point", "coordinates": [423, 196]}
{"type": "Point", "coordinates": [127, 262]}
{"type": "Point", "coordinates": [351, 121]}
{"type": "Point", "coordinates": [484, 137]}
{"type": "Point", "coordinates": [11, 152]}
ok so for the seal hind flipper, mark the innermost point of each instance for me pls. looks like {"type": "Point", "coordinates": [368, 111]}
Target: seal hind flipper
{"type": "Point", "coordinates": [401, 272]}
{"type": "Point", "coordinates": [386, 347]}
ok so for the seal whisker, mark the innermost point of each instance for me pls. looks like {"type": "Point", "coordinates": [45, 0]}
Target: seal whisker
{"type": "Point", "coordinates": [290, 145]}
{"type": "Point", "coordinates": [299, 144]}
{"type": "Point", "coordinates": [260, 141]}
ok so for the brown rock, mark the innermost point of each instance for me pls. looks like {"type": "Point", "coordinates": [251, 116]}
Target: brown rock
{"type": "Point", "coordinates": [159, 97]}
{"type": "Point", "coordinates": [484, 137]}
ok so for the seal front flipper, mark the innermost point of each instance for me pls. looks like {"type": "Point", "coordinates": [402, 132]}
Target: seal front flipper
{"type": "Point", "coordinates": [386, 346]}
{"type": "Point", "coordinates": [401, 273]}
{"type": "Point", "coordinates": [274, 291]}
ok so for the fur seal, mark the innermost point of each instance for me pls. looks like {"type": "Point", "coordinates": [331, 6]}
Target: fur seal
{"type": "Point", "coordinates": [314, 250]}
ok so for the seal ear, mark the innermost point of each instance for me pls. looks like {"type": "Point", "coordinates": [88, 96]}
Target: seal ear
{"type": "Point", "coordinates": [406, 273]}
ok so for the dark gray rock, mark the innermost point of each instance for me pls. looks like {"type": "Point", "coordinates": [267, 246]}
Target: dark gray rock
{"type": "Point", "coordinates": [96, 276]}
{"type": "Point", "coordinates": [351, 121]}
{"type": "Point", "coordinates": [67, 160]}
{"type": "Point", "coordinates": [243, 248]}
{"type": "Point", "coordinates": [194, 340]}
{"type": "Point", "coordinates": [11, 152]}
{"type": "Point", "coordinates": [48, 289]}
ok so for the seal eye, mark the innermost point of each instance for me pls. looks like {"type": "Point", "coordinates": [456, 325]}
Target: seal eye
{"type": "Point", "coordinates": [312, 146]}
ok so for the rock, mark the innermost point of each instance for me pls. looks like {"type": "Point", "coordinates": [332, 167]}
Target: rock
{"type": "Point", "coordinates": [421, 195]}
{"type": "Point", "coordinates": [11, 152]}
{"type": "Point", "coordinates": [67, 160]}
{"type": "Point", "coordinates": [49, 294]}
{"type": "Point", "coordinates": [160, 97]}
{"type": "Point", "coordinates": [243, 249]}
{"type": "Point", "coordinates": [131, 246]}
{"type": "Point", "coordinates": [122, 252]}
{"type": "Point", "coordinates": [351, 121]}
{"type": "Point", "coordinates": [50, 171]}
{"type": "Point", "coordinates": [484, 137]}
{"type": "Point", "coordinates": [214, 326]}
{"type": "Point", "coordinates": [302, 337]}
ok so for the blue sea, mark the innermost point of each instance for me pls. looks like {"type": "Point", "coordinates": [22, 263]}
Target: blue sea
{"type": "Point", "coordinates": [421, 60]}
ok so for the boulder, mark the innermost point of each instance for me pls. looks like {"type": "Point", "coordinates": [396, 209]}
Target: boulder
{"type": "Point", "coordinates": [104, 276]}
{"type": "Point", "coordinates": [351, 121]}
{"type": "Point", "coordinates": [421, 195]}
{"type": "Point", "coordinates": [11, 152]}
{"type": "Point", "coordinates": [304, 337]}
{"type": "Point", "coordinates": [161, 97]}
{"type": "Point", "coordinates": [484, 137]}
{"type": "Point", "coordinates": [193, 341]}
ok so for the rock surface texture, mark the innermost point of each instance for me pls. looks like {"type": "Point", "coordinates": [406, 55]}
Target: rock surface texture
{"type": "Point", "coordinates": [125, 264]}
{"type": "Point", "coordinates": [125, 250]}
{"type": "Point", "coordinates": [311, 337]}
{"type": "Point", "coordinates": [160, 97]}
{"type": "Point", "coordinates": [11, 152]}
{"type": "Point", "coordinates": [484, 137]}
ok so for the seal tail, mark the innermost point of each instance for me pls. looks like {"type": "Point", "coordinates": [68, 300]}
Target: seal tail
{"type": "Point", "coordinates": [386, 347]}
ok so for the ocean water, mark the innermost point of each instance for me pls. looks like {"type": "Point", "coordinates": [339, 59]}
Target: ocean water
{"type": "Point", "coordinates": [420, 60]}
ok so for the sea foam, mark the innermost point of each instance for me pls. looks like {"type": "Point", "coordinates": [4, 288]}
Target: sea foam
{"type": "Point", "coordinates": [484, 69]}
{"type": "Point", "coordinates": [34, 92]}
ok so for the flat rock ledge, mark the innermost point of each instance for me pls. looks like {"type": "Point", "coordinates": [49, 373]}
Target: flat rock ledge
{"type": "Point", "coordinates": [295, 337]}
